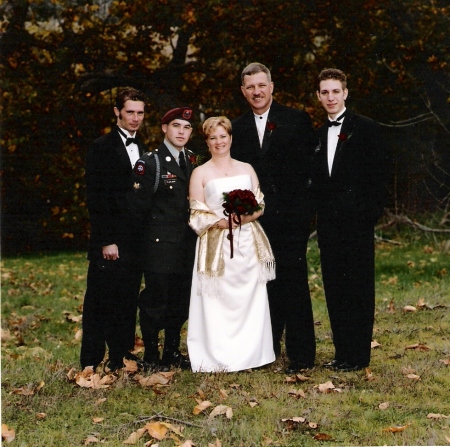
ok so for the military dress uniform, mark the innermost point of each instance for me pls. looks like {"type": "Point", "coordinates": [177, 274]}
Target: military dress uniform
{"type": "Point", "coordinates": [160, 199]}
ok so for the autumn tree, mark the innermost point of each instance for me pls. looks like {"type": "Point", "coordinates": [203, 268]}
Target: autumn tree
{"type": "Point", "coordinates": [62, 60]}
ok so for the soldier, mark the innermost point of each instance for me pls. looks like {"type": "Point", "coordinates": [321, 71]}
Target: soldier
{"type": "Point", "coordinates": [160, 199]}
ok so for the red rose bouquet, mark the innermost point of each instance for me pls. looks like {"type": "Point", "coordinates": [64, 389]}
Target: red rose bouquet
{"type": "Point", "coordinates": [237, 203]}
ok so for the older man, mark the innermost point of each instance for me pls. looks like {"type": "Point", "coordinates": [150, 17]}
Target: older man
{"type": "Point", "coordinates": [279, 142]}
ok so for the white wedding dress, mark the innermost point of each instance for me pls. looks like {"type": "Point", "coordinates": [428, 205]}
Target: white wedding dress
{"type": "Point", "coordinates": [232, 331]}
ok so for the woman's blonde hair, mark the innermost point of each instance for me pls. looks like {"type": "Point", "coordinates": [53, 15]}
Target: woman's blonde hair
{"type": "Point", "coordinates": [212, 123]}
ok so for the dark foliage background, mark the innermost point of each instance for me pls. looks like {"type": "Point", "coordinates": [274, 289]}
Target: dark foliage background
{"type": "Point", "coordinates": [62, 60]}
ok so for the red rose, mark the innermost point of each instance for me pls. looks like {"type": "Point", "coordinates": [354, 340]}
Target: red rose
{"type": "Point", "coordinates": [271, 126]}
{"type": "Point", "coordinates": [342, 137]}
{"type": "Point", "coordinates": [239, 202]}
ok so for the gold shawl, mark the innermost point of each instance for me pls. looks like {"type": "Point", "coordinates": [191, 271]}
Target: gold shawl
{"type": "Point", "coordinates": [210, 263]}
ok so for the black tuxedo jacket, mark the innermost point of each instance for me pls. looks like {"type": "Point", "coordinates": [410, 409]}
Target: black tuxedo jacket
{"type": "Point", "coordinates": [108, 175]}
{"type": "Point", "coordinates": [283, 164]}
{"type": "Point", "coordinates": [354, 195]}
{"type": "Point", "coordinates": [168, 243]}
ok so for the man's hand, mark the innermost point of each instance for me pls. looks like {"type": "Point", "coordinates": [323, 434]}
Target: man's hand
{"type": "Point", "coordinates": [110, 252]}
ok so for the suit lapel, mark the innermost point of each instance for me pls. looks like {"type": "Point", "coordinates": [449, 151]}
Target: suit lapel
{"type": "Point", "coordinates": [121, 150]}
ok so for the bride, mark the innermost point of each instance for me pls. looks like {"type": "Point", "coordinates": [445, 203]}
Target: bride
{"type": "Point", "coordinates": [229, 320]}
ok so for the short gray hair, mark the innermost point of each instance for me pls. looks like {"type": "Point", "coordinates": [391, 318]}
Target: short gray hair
{"type": "Point", "coordinates": [254, 68]}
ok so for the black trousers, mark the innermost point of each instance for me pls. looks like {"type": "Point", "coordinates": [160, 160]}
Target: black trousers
{"type": "Point", "coordinates": [348, 270]}
{"type": "Point", "coordinates": [289, 297]}
{"type": "Point", "coordinates": [109, 311]}
{"type": "Point", "coordinates": [163, 304]}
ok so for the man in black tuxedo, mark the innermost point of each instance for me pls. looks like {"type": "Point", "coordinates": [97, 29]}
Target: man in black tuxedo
{"type": "Point", "coordinates": [114, 274]}
{"type": "Point", "coordinates": [352, 166]}
{"type": "Point", "coordinates": [161, 186]}
{"type": "Point", "coordinates": [279, 143]}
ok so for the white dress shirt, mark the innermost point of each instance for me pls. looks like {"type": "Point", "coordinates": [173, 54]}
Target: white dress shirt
{"type": "Point", "coordinates": [132, 149]}
{"type": "Point", "coordinates": [333, 139]}
{"type": "Point", "coordinates": [261, 121]}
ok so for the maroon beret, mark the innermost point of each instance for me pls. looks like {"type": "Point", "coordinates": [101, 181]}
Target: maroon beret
{"type": "Point", "coordinates": [181, 113]}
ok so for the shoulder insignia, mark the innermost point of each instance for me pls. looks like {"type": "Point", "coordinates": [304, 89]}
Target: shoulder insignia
{"type": "Point", "coordinates": [139, 167]}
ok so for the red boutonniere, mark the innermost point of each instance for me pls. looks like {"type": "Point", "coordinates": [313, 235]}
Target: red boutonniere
{"type": "Point", "coordinates": [344, 137]}
{"type": "Point", "coordinates": [271, 126]}
{"type": "Point", "coordinates": [194, 159]}
{"type": "Point", "coordinates": [238, 202]}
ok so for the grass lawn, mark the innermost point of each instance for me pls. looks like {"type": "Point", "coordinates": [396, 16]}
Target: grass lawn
{"type": "Point", "coordinates": [403, 399]}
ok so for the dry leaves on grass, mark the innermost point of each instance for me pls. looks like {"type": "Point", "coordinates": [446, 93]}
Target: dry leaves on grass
{"type": "Point", "coordinates": [397, 429]}
{"type": "Point", "coordinates": [297, 378]}
{"type": "Point", "coordinates": [202, 406]}
{"type": "Point", "coordinates": [437, 416]}
{"type": "Point", "coordinates": [8, 433]}
{"type": "Point", "coordinates": [221, 409]}
{"type": "Point", "coordinates": [297, 393]}
{"type": "Point", "coordinates": [409, 309]}
{"type": "Point", "coordinates": [294, 422]}
{"type": "Point", "coordinates": [383, 406]}
{"type": "Point", "coordinates": [327, 387]}
{"type": "Point", "coordinates": [28, 390]}
{"type": "Point", "coordinates": [445, 361]}
{"type": "Point", "coordinates": [157, 430]}
{"type": "Point", "coordinates": [418, 347]}
{"type": "Point", "coordinates": [160, 378]}
{"type": "Point", "coordinates": [323, 437]}
{"type": "Point", "coordinates": [91, 439]}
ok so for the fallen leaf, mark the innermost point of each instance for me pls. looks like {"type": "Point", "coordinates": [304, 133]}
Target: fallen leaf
{"type": "Point", "coordinates": [201, 394]}
{"type": "Point", "coordinates": [8, 433]}
{"type": "Point", "coordinates": [223, 394]}
{"type": "Point", "coordinates": [131, 366]}
{"type": "Point", "coordinates": [437, 416]}
{"type": "Point", "coordinates": [370, 376]}
{"type": "Point", "coordinates": [323, 437]}
{"type": "Point", "coordinates": [413, 376]}
{"type": "Point", "coordinates": [188, 443]}
{"type": "Point", "coordinates": [221, 409]}
{"type": "Point", "coordinates": [298, 419]}
{"type": "Point", "coordinates": [302, 378]}
{"type": "Point", "coordinates": [218, 443]}
{"type": "Point", "coordinates": [135, 436]}
{"type": "Point", "coordinates": [90, 440]}
{"type": "Point", "coordinates": [157, 430]}
{"type": "Point", "coordinates": [41, 415]}
{"type": "Point", "coordinates": [374, 344]}
{"type": "Point", "coordinates": [383, 406]}
{"type": "Point", "coordinates": [297, 393]}
{"type": "Point", "coordinates": [201, 407]}
{"type": "Point", "coordinates": [326, 387]}
{"type": "Point", "coordinates": [418, 347]}
{"type": "Point", "coordinates": [409, 309]}
{"type": "Point", "coordinates": [97, 420]}
{"type": "Point", "coordinates": [312, 424]}
{"type": "Point", "coordinates": [100, 401]}
{"type": "Point", "coordinates": [396, 429]}
{"type": "Point", "coordinates": [154, 379]}
{"type": "Point", "coordinates": [445, 361]}
{"type": "Point", "coordinates": [253, 404]}
{"type": "Point", "coordinates": [447, 438]}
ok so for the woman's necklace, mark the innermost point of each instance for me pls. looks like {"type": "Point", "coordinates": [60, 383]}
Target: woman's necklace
{"type": "Point", "coordinates": [222, 170]}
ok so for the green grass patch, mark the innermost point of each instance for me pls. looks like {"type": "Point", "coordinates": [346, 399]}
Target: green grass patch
{"type": "Point", "coordinates": [42, 299]}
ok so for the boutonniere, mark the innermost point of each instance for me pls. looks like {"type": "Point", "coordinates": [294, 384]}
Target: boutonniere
{"type": "Point", "coordinates": [194, 159]}
{"type": "Point", "coordinates": [271, 126]}
{"type": "Point", "coordinates": [344, 136]}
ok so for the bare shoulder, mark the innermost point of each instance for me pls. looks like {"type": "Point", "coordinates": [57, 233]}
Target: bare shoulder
{"type": "Point", "coordinates": [242, 167]}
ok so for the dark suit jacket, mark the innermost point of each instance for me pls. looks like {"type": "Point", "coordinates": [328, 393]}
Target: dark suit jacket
{"type": "Point", "coordinates": [168, 242]}
{"type": "Point", "coordinates": [108, 176]}
{"type": "Point", "coordinates": [283, 164]}
{"type": "Point", "coordinates": [355, 194]}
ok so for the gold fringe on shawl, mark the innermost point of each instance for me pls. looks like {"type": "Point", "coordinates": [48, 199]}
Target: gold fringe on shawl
{"type": "Point", "coordinates": [210, 263]}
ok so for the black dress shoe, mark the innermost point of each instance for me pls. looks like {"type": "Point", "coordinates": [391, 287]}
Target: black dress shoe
{"type": "Point", "coordinates": [113, 366]}
{"type": "Point", "coordinates": [295, 367]}
{"type": "Point", "coordinates": [176, 359]}
{"type": "Point", "coordinates": [332, 365]}
{"type": "Point", "coordinates": [346, 367]}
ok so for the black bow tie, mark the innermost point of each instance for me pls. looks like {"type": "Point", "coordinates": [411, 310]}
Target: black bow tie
{"type": "Point", "coordinates": [337, 122]}
{"type": "Point", "coordinates": [333, 123]}
{"type": "Point", "coordinates": [130, 141]}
